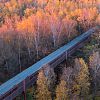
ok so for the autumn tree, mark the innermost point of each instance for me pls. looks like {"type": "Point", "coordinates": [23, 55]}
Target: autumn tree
{"type": "Point", "coordinates": [94, 65]}
{"type": "Point", "coordinates": [42, 89]}
{"type": "Point", "coordinates": [61, 91]}
{"type": "Point", "coordinates": [28, 12]}
{"type": "Point", "coordinates": [69, 26]}
{"type": "Point", "coordinates": [82, 79]}
{"type": "Point", "coordinates": [67, 77]}
{"type": "Point", "coordinates": [51, 78]}
{"type": "Point", "coordinates": [56, 29]}
{"type": "Point", "coordinates": [77, 67]}
{"type": "Point", "coordinates": [50, 75]}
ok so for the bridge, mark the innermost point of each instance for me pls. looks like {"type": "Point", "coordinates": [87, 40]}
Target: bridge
{"type": "Point", "coordinates": [18, 84]}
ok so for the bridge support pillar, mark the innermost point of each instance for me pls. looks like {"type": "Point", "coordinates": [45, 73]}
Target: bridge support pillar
{"type": "Point", "coordinates": [24, 95]}
{"type": "Point", "coordinates": [24, 92]}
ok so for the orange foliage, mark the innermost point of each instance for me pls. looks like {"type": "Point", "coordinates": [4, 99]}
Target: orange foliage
{"type": "Point", "coordinates": [26, 25]}
{"type": "Point", "coordinates": [39, 15]}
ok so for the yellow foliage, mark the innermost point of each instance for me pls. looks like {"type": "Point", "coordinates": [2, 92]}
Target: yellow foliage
{"type": "Point", "coordinates": [61, 91]}
{"type": "Point", "coordinates": [42, 89]}
{"type": "Point", "coordinates": [83, 78]}
{"type": "Point", "coordinates": [28, 12]}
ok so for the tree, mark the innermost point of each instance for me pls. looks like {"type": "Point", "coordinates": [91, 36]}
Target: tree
{"type": "Point", "coordinates": [42, 88]}
{"type": "Point", "coordinates": [82, 79]}
{"type": "Point", "coordinates": [31, 93]}
{"type": "Point", "coordinates": [69, 26]}
{"type": "Point", "coordinates": [28, 12]}
{"type": "Point", "coordinates": [51, 77]}
{"type": "Point", "coordinates": [94, 65]}
{"type": "Point", "coordinates": [66, 74]}
{"type": "Point", "coordinates": [61, 91]}
{"type": "Point", "coordinates": [77, 67]}
{"type": "Point", "coordinates": [67, 77]}
{"type": "Point", "coordinates": [56, 29]}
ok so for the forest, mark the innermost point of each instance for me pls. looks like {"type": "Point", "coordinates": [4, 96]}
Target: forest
{"type": "Point", "coordinates": [77, 78]}
{"type": "Point", "coordinates": [32, 29]}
